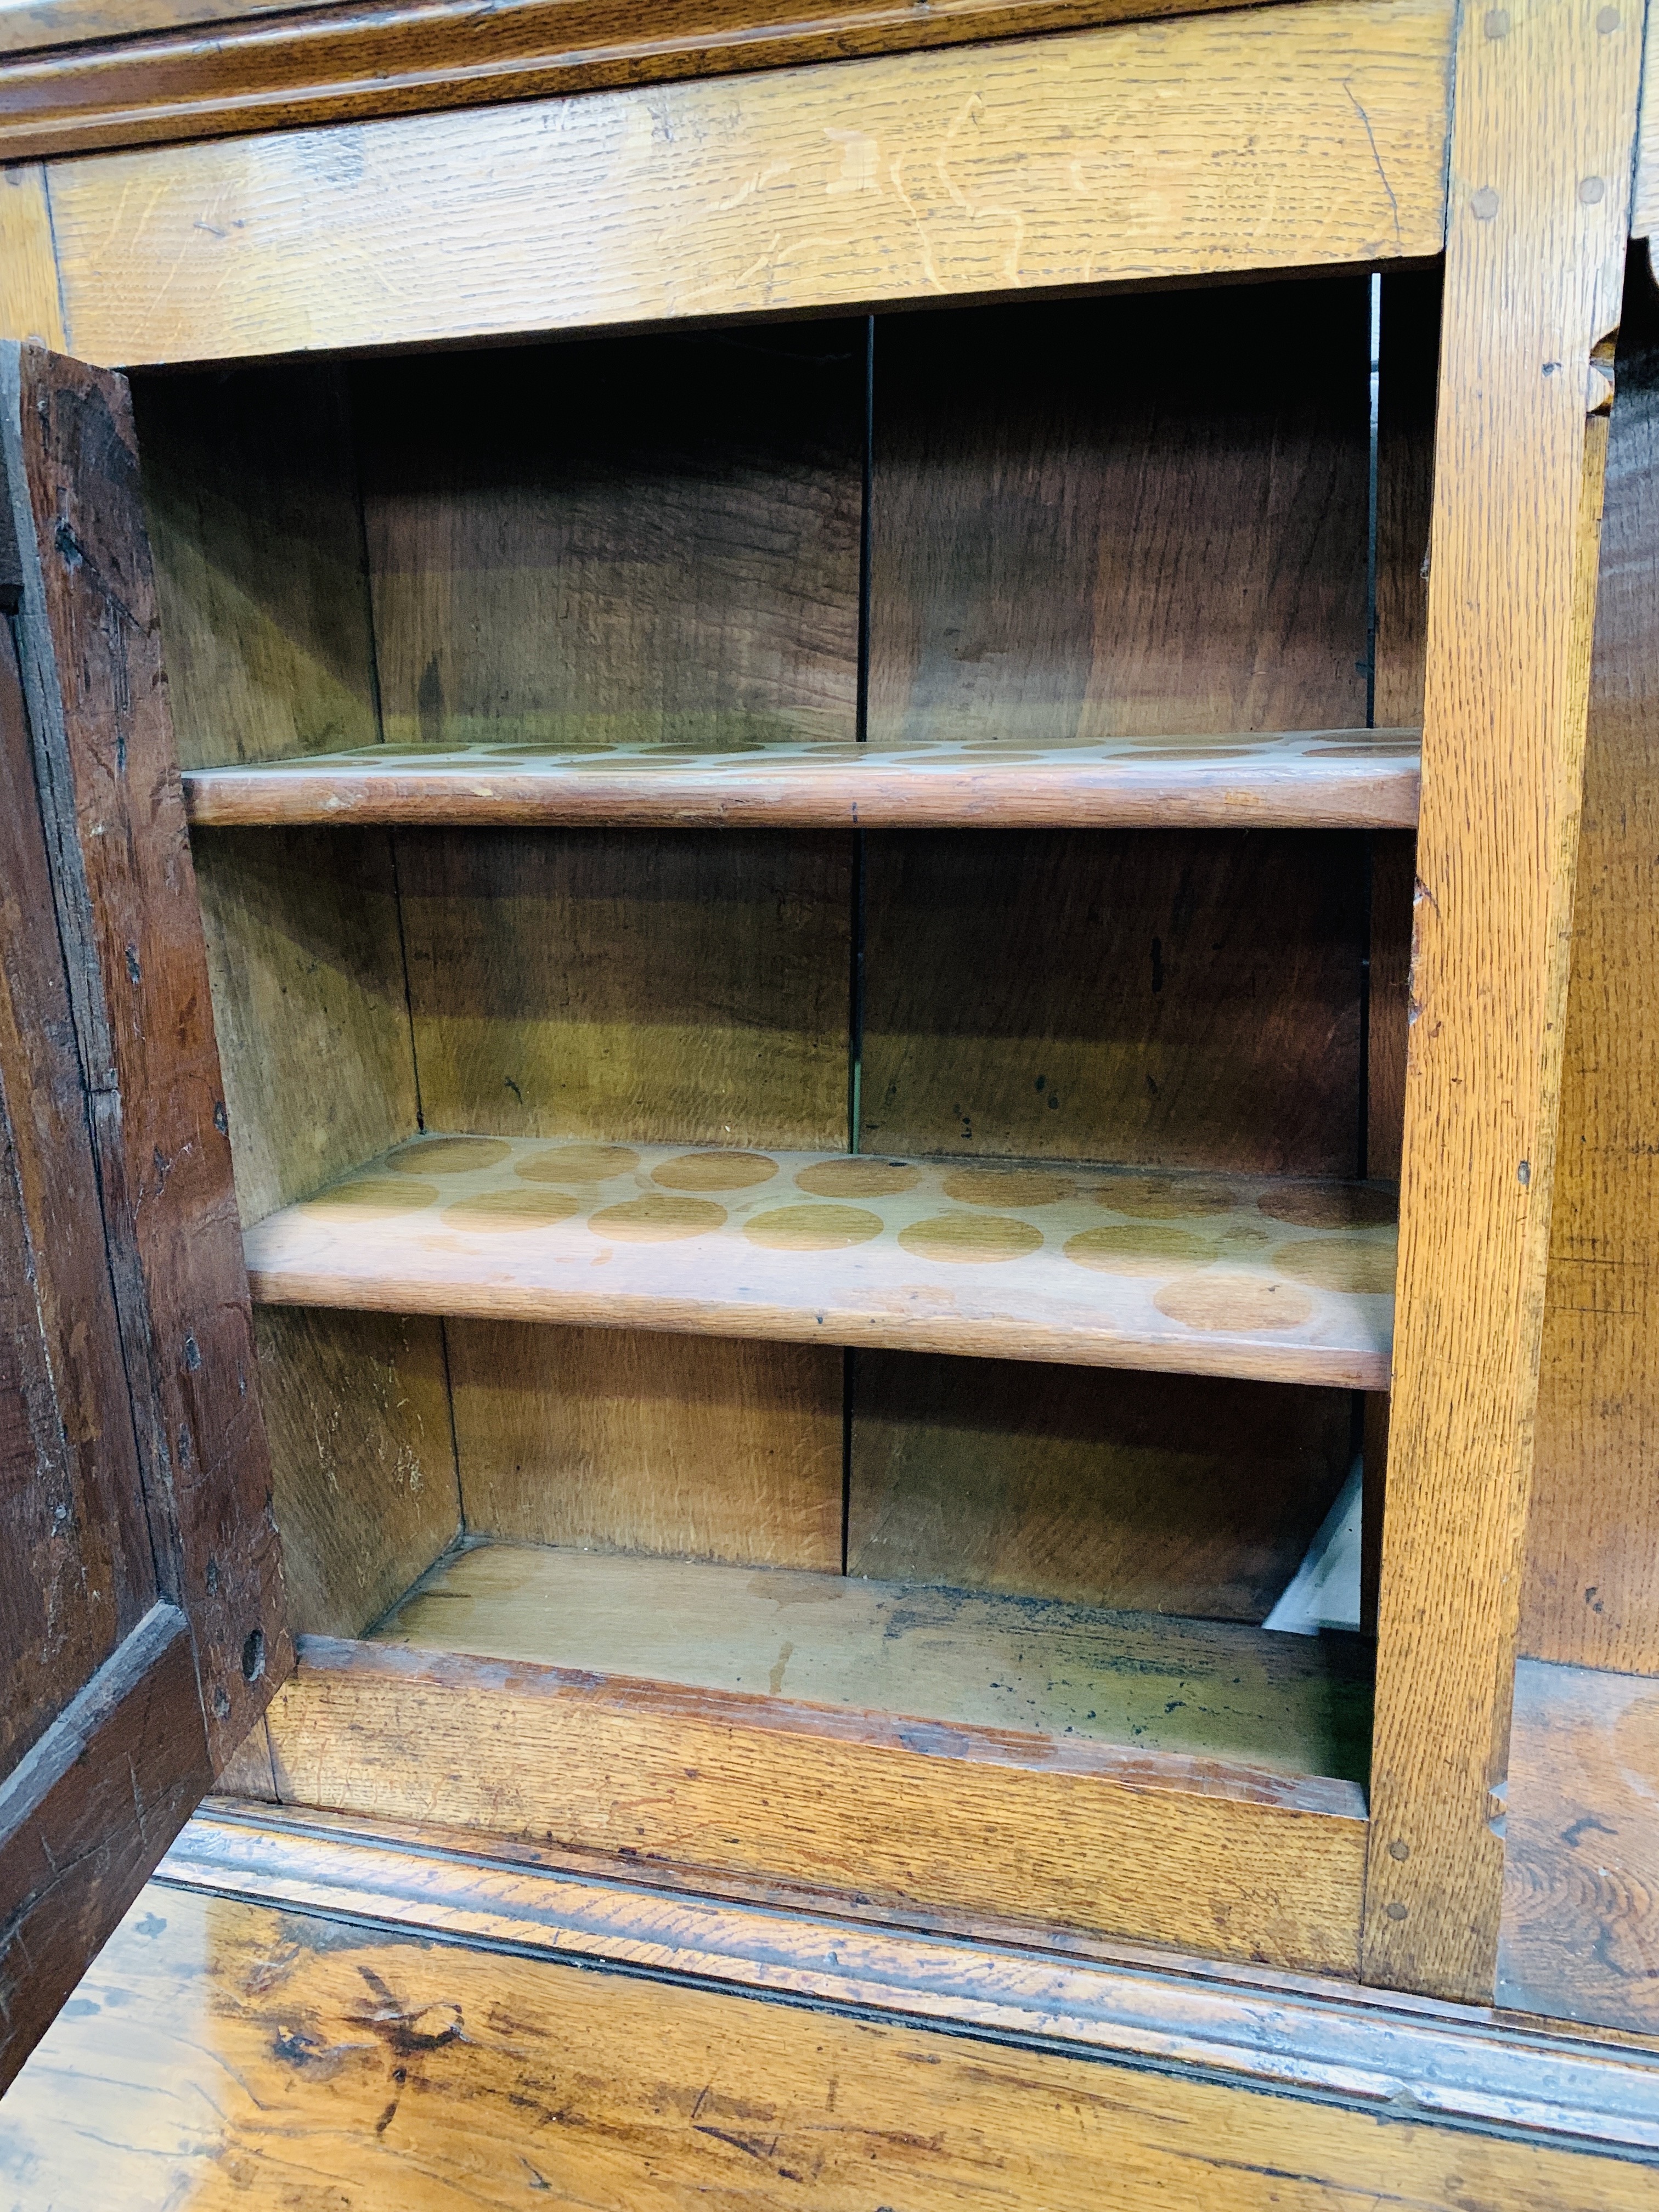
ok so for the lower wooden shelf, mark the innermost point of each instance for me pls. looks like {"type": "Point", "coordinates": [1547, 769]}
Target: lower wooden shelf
{"type": "Point", "coordinates": [1050, 1766]}
{"type": "Point", "coordinates": [1296, 1706]}
{"type": "Point", "coordinates": [1280, 1280]}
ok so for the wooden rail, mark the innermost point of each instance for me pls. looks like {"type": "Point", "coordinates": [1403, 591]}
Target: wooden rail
{"type": "Point", "coordinates": [1311, 779]}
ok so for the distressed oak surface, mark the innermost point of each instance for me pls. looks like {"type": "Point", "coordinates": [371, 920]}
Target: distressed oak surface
{"type": "Point", "coordinates": [1580, 1934]}
{"type": "Point", "coordinates": [85, 1816]}
{"type": "Point", "coordinates": [1539, 167]}
{"type": "Point", "coordinates": [1296, 1705]}
{"type": "Point", "coordinates": [1290, 1281]}
{"type": "Point", "coordinates": [1224, 1857]}
{"type": "Point", "coordinates": [239, 2055]}
{"type": "Point", "coordinates": [1278, 138]}
{"type": "Point", "coordinates": [123, 897]}
{"type": "Point", "coordinates": [1346, 778]}
{"type": "Point", "coordinates": [1591, 1590]}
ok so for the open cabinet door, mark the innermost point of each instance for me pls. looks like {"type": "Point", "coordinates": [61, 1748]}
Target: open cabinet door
{"type": "Point", "coordinates": [142, 1624]}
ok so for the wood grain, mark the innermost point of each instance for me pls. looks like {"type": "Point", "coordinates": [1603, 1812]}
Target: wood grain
{"type": "Point", "coordinates": [125, 910]}
{"type": "Point", "coordinates": [363, 1460]}
{"type": "Point", "coordinates": [29, 304]}
{"type": "Point", "coordinates": [1547, 101]}
{"type": "Point", "coordinates": [177, 72]}
{"type": "Point", "coordinates": [1282, 138]}
{"type": "Point", "coordinates": [651, 537]}
{"type": "Point", "coordinates": [610, 1439]}
{"type": "Point", "coordinates": [1219, 1858]}
{"type": "Point", "coordinates": [305, 958]}
{"type": "Point", "coordinates": [250, 485]}
{"type": "Point", "coordinates": [236, 2052]}
{"type": "Point", "coordinates": [1071, 1673]}
{"type": "Point", "coordinates": [689, 985]}
{"type": "Point", "coordinates": [87, 1813]}
{"type": "Point", "coordinates": [1295, 780]}
{"type": "Point", "coordinates": [1285, 1281]}
{"type": "Point", "coordinates": [1078, 531]}
{"type": "Point", "coordinates": [1580, 1937]}
{"type": "Point", "coordinates": [1106, 1488]}
{"type": "Point", "coordinates": [1279, 2032]}
{"type": "Point", "coordinates": [1176, 1000]}
{"type": "Point", "coordinates": [1591, 1595]}
{"type": "Point", "coordinates": [74, 1529]}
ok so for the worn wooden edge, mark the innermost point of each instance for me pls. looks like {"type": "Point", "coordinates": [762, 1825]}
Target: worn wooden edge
{"type": "Point", "coordinates": [67, 86]}
{"type": "Point", "coordinates": [277, 1284]}
{"type": "Point", "coordinates": [87, 1813]}
{"type": "Point", "coordinates": [1302, 2040]}
{"type": "Point", "coordinates": [916, 1814]}
{"type": "Point", "coordinates": [124, 892]}
{"type": "Point", "coordinates": [1297, 780]}
{"type": "Point", "coordinates": [470, 225]}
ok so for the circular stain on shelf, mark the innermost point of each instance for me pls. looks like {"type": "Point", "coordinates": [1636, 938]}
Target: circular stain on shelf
{"type": "Point", "coordinates": [1245, 1302]}
{"type": "Point", "coordinates": [511, 1209]}
{"type": "Point", "coordinates": [657, 1220]}
{"type": "Point", "coordinates": [1364, 1264]}
{"type": "Point", "coordinates": [814, 1228]}
{"type": "Point", "coordinates": [577, 1163]}
{"type": "Point", "coordinates": [371, 1198]}
{"type": "Point", "coordinates": [448, 1155]}
{"type": "Point", "coordinates": [858, 1178]}
{"type": "Point", "coordinates": [968, 1237]}
{"type": "Point", "coordinates": [1167, 1198]}
{"type": "Point", "coordinates": [1331, 1205]}
{"type": "Point", "coordinates": [715, 1171]}
{"type": "Point", "coordinates": [1006, 1187]}
{"type": "Point", "coordinates": [1140, 1247]}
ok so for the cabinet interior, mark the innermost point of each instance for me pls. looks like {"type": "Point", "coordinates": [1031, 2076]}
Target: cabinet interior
{"type": "Point", "coordinates": [1135, 517]}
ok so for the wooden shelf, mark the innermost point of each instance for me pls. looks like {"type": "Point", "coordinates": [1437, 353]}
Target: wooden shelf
{"type": "Point", "coordinates": [1286, 1282]}
{"type": "Point", "coordinates": [1075, 1675]}
{"type": "Point", "coordinates": [1307, 779]}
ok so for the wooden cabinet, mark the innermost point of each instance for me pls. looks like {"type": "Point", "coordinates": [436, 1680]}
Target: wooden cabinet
{"type": "Point", "coordinates": [888, 917]}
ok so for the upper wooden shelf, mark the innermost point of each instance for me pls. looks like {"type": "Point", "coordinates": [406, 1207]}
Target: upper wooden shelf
{"type": "Point", "coordinates": [1287, 1281]}
{"type": "Point", "coordinates": [1358, 779]}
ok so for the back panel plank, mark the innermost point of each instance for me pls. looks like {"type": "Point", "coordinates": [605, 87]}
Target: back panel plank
{"type": "Point", "coordinates": [655, 539]}
{"type": "Point", "coordinates": [1272, 138]}
{"type": "Point", "coordinates": [685, 986]}
{"type": "Point", "coordinates": [1104, 1487]}
{"type": "Point", "coordinates": [617, 1440]}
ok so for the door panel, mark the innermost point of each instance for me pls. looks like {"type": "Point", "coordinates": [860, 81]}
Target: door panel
{"type": "Point", "coordinates": [141, 1625]}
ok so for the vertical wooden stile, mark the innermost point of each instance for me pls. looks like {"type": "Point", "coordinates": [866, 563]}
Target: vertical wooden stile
{"type": "Point", "coordinates": [1543, 145]}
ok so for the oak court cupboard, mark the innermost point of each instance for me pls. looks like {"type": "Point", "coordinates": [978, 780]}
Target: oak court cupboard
{"type": "Point", "coordinates": [827, 889]}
